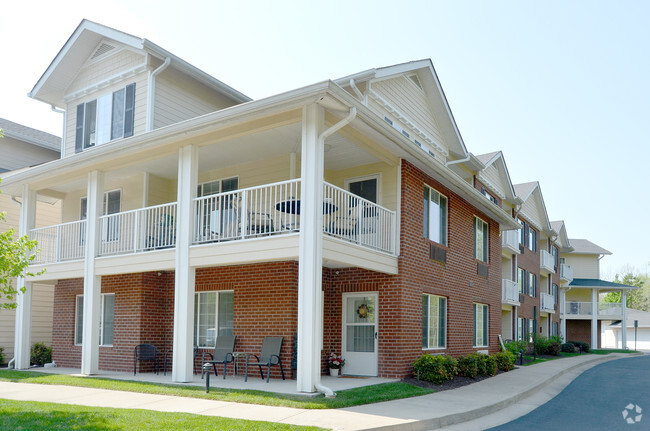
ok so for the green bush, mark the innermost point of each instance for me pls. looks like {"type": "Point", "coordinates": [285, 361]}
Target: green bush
{"type": "Point", "coordinates": [2, 356]}
{"type": "Point", "coordinates": [541, 344]}
{"type": "Point", "coordinates": [467, 366]}
{"type": "Point", "coordinates": [568, 348]}
{"type": "Point", "coordinates": [491, 366]}
{"type": "Point", "coordinates": [555, 339]}
{"type": "Point", "coordinates": [554, 349]}
{"type": "Point", "coordinates": [435, 369]}
{"type": "Point", "coordinates": [581, 344]}
{"type": "Point", "coordinates": [41, 354]}
{"type": "Point", "coordinates": [515, 347]}
{"type": "Point", "coordinates": [505, 361]}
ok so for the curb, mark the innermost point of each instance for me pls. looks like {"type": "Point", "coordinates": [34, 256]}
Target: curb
{"type": "Point", "coordinates": [456, 418]}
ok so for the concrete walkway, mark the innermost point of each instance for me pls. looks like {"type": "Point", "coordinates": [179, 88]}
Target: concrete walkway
{"type": "Point", "coordinates": [428, 412]}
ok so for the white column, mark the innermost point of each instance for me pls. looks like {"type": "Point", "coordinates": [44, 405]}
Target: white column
{"type": "Point", "coordinates": [182, 369]}
{"type": "Point", "coordinates": [310, 271]}
{"type": "Point", "coordinates": [624, 321]}
{"type": "Point", "coordinates": [594, 319]}
{"type": "Point", "coordinates": [24, 299]}
{"type": "Point", "coordinates": [92, 282]}
{"type": "Point", "coordinates": [563, 314]}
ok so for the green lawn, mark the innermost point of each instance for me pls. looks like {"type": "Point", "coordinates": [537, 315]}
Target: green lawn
{"type": "Point", "coordinates": [31, 415]}
{"type": "Point", "coordinates": [608, 351]}
{"type": "Point", "coordinates": [347, 398]}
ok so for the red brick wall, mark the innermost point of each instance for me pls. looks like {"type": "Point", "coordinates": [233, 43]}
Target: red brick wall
{"type": "Point", "coordinates": [580, 330]}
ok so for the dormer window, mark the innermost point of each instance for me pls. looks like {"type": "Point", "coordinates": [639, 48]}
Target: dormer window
{"type": "Point", "coordinates": [106, 118]}
{"type": "Point", "coordinates": [487, 194]}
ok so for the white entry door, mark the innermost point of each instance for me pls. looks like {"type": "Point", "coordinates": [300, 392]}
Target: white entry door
{"type": "Point", "coordinates": [360, 334]}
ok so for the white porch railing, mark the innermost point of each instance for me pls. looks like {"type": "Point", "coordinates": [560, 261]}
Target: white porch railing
{"type": "Point", "coordinates": [248, 213]}
{"type": "Point", "coordinates": [578, 308]}
{"type": "Point", "coordinates": [547, 261]}
{"type": "Point", "coordinates": [509, 291]}
{"type": "Point", "coordinates": [547, 302]}
{"type": "Point", "coordinates": [610, 309]}
{"type": "Point", "coordinates": [138, 230]}
{"type": "Point", "coordinates": [60, 243]}
{"type": "Point", "coordinates": [510, 239]}
{"type": "Point", "coordinates": [566, 272]}
{"type": "Point", "coordinates": [357, 220]}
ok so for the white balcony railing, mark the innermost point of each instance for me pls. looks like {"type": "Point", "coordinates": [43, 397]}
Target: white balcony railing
{"type": "Point", "coordinates": [578, 308]}
{"type": "Point", "coordinates": [610, 309]}
{"type": "Point", "coordinates": [60, 243]}
{"type": "Point", "coordinates": [358, 220]}
{"type": "Point", "coordinates": [547, 302]}
{"type": "Point", "coordinates": [509, 291]}
{"type": "Point", "coordinates": [566, 272]}
{"type": "Point", "coordinates": [510, 240]}
{"type": "Point", "coordinates": [547, 261]}
{"type": "Point", "coordinates": [138, 230]}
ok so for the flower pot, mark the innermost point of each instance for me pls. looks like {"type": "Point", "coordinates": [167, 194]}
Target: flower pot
{"type": "Point", "coordinates": [334, 372]}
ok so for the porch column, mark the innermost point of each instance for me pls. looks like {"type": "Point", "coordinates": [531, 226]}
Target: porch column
{"type": "Point", "coordinates": [624, 321]}
{"type": "Point", "coordinates": [92, 282]}
{"type": "Point", "coordinates": [563, 314]}
{"type": "Point", "coordinates": [310, 256]}
{"type": "Point", "coordinates": [594, 318]}
{"type": "Point", "coordinates": [182, 368]}
{"type": "Point", "coordinates": [23, 328]}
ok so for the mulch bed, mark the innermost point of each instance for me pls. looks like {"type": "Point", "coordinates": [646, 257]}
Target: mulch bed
{"type": "Point", "coordinates": [455, 383]}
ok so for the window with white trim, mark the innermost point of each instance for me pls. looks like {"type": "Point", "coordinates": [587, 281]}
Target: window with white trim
{"type": "Point", "coordinates": [434, 321]}
{"type": "Point", "coordinates": [110, 116]}
{"type": "Point", "coordinates": [480, 325]}
{"type": "Point", "coordinates": [213, 316]}
{"type": "Point", "coordinates": [106, 319]}
{"type": "Point", "coordinates": [522, 328]}
{"type": "Point", "coordinates": [481, 235]}
{"type": "Point", "coordinates": [435, 216]}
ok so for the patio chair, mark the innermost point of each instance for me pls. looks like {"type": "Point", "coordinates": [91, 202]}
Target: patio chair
{"type": "Point", "coordinates": [145, 352]}
{"type": "Point", "coordinates": [269, 357]}
{"type": "Point", "coordinates": [346, 225]}
{"type": "Point", "coordinates": [223, 348]}
{"type": "Point", "coordinates": [256, 221]}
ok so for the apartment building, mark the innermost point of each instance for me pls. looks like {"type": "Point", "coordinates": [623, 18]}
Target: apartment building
{"type": "Point", "coordinates": [343, 216]}
{"type": "Point", "coordinates": [22, 147]}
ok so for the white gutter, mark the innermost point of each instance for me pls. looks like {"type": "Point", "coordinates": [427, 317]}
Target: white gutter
{"type": "Point", "coordinates": [151, 92]}
{"type": "Point", "coordinates": [447, 164]}
{"type": "Point", "coordinates": [61, 111]}
{"type": "Point", "coordinates": [357, 92]}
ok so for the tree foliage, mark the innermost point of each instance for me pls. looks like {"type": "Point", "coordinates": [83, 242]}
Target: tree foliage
{"type": "Point", "coordinates": [15, 257]}
{"type": "Point", "coordinates": [638, 299]}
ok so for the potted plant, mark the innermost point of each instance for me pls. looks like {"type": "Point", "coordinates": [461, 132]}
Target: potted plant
{"type": "Point", "coordinates": [335, 363]}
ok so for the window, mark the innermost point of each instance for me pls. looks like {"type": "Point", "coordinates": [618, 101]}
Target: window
{"type": "Point", "coordinates": [531, 329]}
{"type": "Point", "coordinates": [213, 316]}
{"type": "Point", "coordinates": [111, 205]}
{"type": "Point", "coordinates": [487, 194]}
{"type": "Point", "coordinates": [435, 216]}
{"type": "Point", "coordinates": [480, 325]}
{"type": "Point", "coordinates": [106, 319]}
{"type": "Point", "coordinates": [556, 257]}
{"type": "Point", "coordinates": [521, 278]}
{"type": "Point", "coordinates": [556, 329]}
{"type": "Point", "coordinates": [219, 186]}
{"type": "Point", "coordinates": [522, 232]}
{"type": "Point", "coordinates": [527, 235]}
{"type": "Point", "coordinates": [217, 214]}
{"type": "Point", "coordinates": [108, 117]}
{"type": "Point", "coordinates": [368, 187]}
{"type": "Point", "coordinates": [522, 328]}
{"type": "Point", "coordinates": [527, 282]}
{"type": "Point", "coordinates": [481, 235]}
{"type": "Point", "coordinates": [555, 292]}
{"type": "Point", "coordinates": [532, 239]}
{"type": "Point", "coordinates": [434, 317]}
{"type": "Point", "coordinates": [532, 284]}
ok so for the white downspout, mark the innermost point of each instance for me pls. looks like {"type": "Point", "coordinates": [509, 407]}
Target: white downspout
{"type": "Point", "coordinates": [151, 92]}
{"type": "Point", "coordinates": [61, 111]}
{"type": "Point", "coordinates": [356, 91]}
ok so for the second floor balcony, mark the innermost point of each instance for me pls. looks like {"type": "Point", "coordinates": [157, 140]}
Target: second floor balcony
{"type": "Point", "coordinates": [509, 292]}
{"type": "Point", "coordinates": [547, 262]}
{"type": "Point", "coordinates": [605, 310]}
{"type": "Point", "coordinates": [510, 241]}
{"type": "Point", "coordinates": [566, 272]}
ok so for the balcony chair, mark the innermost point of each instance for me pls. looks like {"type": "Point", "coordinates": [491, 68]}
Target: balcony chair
{"type": "Point", "coordinates": [258, 222]}
{"type": "Point", "coordinates": [346, 225]}
{"type": "Point", "coordinates": [145, 352]}
{"type": "Point", "coordinates": [269, 357]}
{"type": "Point", "coordinates": [223, 348]}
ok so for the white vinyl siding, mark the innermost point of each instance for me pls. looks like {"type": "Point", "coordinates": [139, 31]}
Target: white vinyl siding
{"type": "Point", "coordinates": [106, 319]}
{"type": "Point", "coordinates": [481, 325]}
{"type": "Point", "coordinates": [435, 216]}
{"type": "Point", "coordinates": [434, 322]}
{"type": "Point", "coordinates": [213, 316]}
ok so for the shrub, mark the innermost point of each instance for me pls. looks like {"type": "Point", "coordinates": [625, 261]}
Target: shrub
{"type": "Point", "coordinates": [41, 354]}
{"type": "Point", "coordinates": [581, 344]}
{"type": "Point", "coordinates": [555, 339]}
{"type": "Point", "coordinates": [568, 348]}
{"type": "Point", "coordinates": [435, 369]}
{"type": "Point", "coordinates": [515, 347]}
{"type": "Point", "coordinates": [467, 366]}
{"type": "Point", "coordinates": [2, 356]}
{"type": "Point", "coordinates": [554, 349]}
{"type": "Point", "coordinates": [491, 367]}
{"type": "Point", "coordinates": [505, 361]}
{"type": "Point", "coordinates": [541, 344]}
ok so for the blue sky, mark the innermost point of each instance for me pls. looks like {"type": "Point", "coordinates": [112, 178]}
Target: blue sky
{"type": "Point", "coordinates": [562, 88]}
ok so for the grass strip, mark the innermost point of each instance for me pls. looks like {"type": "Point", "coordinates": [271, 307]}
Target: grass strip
{"type": "Point", "coordinates": [32, 415]}
{"type": "Point", "coordinates": [346, 398]}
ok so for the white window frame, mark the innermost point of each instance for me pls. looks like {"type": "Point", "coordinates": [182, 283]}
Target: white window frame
{"type": "Point", "coordinates": [377, 176]}
{"type": "Point", "coordinates": [78, 324]}
{"type": "Point", "coordinates": [430, 298]}
{"type": "Point", "coordinates": [201, 185]}
{"type": "Point", "coordinates": [485, 239]}
{"type": "Point", "coordinates": [484, 331]}
{"type": "Point", "coordinates": [197, 311]}
{"type": "Point", "coordinates": [442, 227]}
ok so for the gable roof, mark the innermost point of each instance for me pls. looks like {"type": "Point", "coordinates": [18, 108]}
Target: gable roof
{"type": "Point", "coordinates": [584, 246]}
{"type": "Point", "coordinates": [497, 161]}
{"type": "Point", "coordinates": [29, 135]}
{"type": "Point", "coordinates": [562, 237]}
{"type": "Point", "coordinates": [529, 192]}
{"type": "Point", "coordinates": [51, 86]}
{"type": "Point", "coordinates": [433, 89]}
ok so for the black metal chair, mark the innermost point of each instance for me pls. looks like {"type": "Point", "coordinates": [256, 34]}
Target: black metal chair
{"type": "Point", "coordinates": [269, 357]}
{"type": "Point", "coordinates": [145, 352]}
{"type": "Point", "coordinates": [223, 348]}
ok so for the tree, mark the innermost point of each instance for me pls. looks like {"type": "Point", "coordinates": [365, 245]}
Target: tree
{"type": "Point", "coordinates": [638, 299]}
{"type": "Point", "coordinates": [15, 256]}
